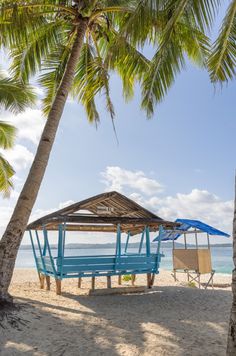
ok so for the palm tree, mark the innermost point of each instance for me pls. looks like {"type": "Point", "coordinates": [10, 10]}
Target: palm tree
{"type": "Point", "coordinates": [74, 45]}
{"type": "Point", "coordinates": [14, 96]}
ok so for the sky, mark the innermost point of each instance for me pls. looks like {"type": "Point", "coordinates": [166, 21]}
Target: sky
{"type": "Point", "coordinates": [179, 164]}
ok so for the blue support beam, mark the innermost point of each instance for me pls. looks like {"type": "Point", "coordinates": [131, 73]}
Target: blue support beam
{"type": "Point", "coordinates": [40, 252]}
{"type": "Point", "coordinates": [45, 233]}
{"type": "Point", "coordinates": [141, 242]}
{"type": "Point", "coordinates": [127, 242]}
{"type": "Point", "coordinates": [61, 246]}
{"type": "Point", "coordinates": [158, 255]}
{"type": "Point", "coordinates": [118, 246]}
{"type": "Point", "coordinates": [33, 248]}
{"type": "Point", "coordinates": [148, 250]}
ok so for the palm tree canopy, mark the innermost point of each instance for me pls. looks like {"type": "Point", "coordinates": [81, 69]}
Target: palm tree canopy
{"type": "Point", "coordinates": [14, 96]}
{"type": "Point", "coordinates": [117, 31]}
{"type": "Point", "coordinates": [44, 41]}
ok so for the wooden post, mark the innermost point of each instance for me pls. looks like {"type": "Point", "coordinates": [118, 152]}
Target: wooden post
{"type": "Point", "coordinates": [208, 242]}
{"type": "Point", "coordinates": [174, 271]}
{"type": "Point", "coordinates": [93, 283]}
{"type": "Point", "coordinates": [48, 283]}
{"type": "Point", "coordinates": [149, 280]}
{"type": "Point", "coordinates": [153, 278]}
{"type": "Point", "coordinates": [79, 282]}
{"type": "Point", "coordinates": [196, 239]}
{"type": "Point", "coordinates": [108, 281]}
{"type": "Point", "coordinates": [133, 277]}
{"type": "Point", "coordinates": [58, 286]}
{"type": "Point", "coordinates": [120, 280]}
{"type": "Point", "coordinates": [41, 280]}
{"type": "Point", "coordinates": [185, 242]}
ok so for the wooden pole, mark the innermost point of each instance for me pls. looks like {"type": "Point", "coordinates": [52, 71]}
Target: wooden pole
{"type": "Point", "coordinates": [79, 282]}
{"type": "Point", "coordinates": [149, 280]}
{"type": "Point", "coordinates": [41, 280]}
{"type": "Point", "coordinates": [196, 239]}
{"type": "Point", "coordinates": [208, 242]}
{"type": "Point", "coordinates": [185, 242]}
{"type": "Point", "coordinates": [120, 280]}
{"type": "Point", "coordinates": [93, 283]}
{"type": "Point", "coordinates": [58, 286]}
{"type": "Point", "coordinates": [108, 281]}
{"type": "Point", "coordinates": [153, 278]}
{"type": "Point", "coordinates": [133, 277]}
{"type": "Point", "coordinates": [48, 283]}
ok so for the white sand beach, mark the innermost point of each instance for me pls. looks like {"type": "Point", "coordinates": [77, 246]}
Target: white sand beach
{"type": "Point", "coordinates": [170, 319]}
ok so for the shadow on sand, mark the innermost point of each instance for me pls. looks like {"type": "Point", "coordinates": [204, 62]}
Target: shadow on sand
{"type": "Point", "coordinates": [165, 321]}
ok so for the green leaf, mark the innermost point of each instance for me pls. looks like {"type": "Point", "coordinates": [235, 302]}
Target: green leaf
{"type": "Point", "coordinates": [222, 60]}
{"type": "Point", "coordinates": [7, 135]}
{"type": "Point", "coordinates": [6, 173]}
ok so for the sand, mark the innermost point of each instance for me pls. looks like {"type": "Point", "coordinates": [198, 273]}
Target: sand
{"type": "Point", "coordinates": [171, 319]}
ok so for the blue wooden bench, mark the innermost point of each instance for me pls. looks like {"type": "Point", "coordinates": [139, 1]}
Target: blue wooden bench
{"type": "Point", "coordinates": [119, 264]}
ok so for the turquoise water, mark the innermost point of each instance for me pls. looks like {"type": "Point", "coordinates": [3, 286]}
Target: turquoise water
{"type": "Point", "coordinates": [221, 257]}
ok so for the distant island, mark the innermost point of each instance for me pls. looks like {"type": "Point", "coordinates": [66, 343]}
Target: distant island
{"type": "Point", "coordinates": [168, 244]}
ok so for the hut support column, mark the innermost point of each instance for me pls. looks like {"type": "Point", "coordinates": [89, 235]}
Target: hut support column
{"type": "Point", "coordinates": [149, 280]}
{"type": "Point", "coordinates": [41, 280]}
{"type": "Point", "coordinates": [120, 280]}
{"type": "Point", "coordinates": [127, 242]}
{"type": "Point", "coordinates": [153, 279]}
{"type": "Point", "coordinates": [108, 281]}
{"type": "Point", "coordinates": [93, 283]}
{"type": "Point", "coordinates": [141, 242]}
{"type": "Point", "coordinates": [79, 282]}
{"type": "Point", "coordinates": [133, 277]}
{"type": "Point", "coordinates": [48, 283]}
{"type": "Point", "coordinates": [58, 286]}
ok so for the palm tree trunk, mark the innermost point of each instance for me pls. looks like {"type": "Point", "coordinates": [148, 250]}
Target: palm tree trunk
{"type": "Point", "coordinates": [231, 344]}
{"type": "Point", "coordinates": [12, 237]}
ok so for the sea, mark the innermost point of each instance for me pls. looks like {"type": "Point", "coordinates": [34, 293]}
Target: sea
{"type": "Point", "coordinates": [221, 257]}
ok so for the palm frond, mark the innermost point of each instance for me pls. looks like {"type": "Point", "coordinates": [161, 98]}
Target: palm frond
{"type": "Point", "coordinates": [161, 75]}
{"type": "Point", "coordinates": [7, 135]}
{"type": "Point", "coordinates": [28, 56]}
{"type": "Point", "coordinates": [86, 86]}
{"type": "Point", "coordinates": [6, 173]}
{"type": "Point", "coordinates": [222, 61]}
{"type": "Point", "coordinates": [54, 67]}
{"type": "Point", "coordinates": [14, 95]}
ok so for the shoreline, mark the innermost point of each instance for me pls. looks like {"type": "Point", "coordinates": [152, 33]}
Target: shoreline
{"type": "Point", "coordinates": [220, 274]}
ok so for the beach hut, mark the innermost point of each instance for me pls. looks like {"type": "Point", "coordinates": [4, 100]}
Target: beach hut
{"type": "Point", "coordinates": [105, 213]}
{"type": "Point", "coordinates": [193, 261]}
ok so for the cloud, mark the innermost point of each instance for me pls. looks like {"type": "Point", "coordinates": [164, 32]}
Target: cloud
{"type": "Point", "coordinates": [19, 157]}
{"type": "Point", "coordinates": [119, 179]}
{"type": "Point", "coordinates": [197, 204]}
{"type": "Point", "coordinates": [30, 124]}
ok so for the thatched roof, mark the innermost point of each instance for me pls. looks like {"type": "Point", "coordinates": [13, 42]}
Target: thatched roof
{"type": "Point", "coordinates": [102, 213]}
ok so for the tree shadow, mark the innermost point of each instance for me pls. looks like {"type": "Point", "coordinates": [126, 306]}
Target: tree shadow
{"type": "Point", "coordinates": [164, 321]}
